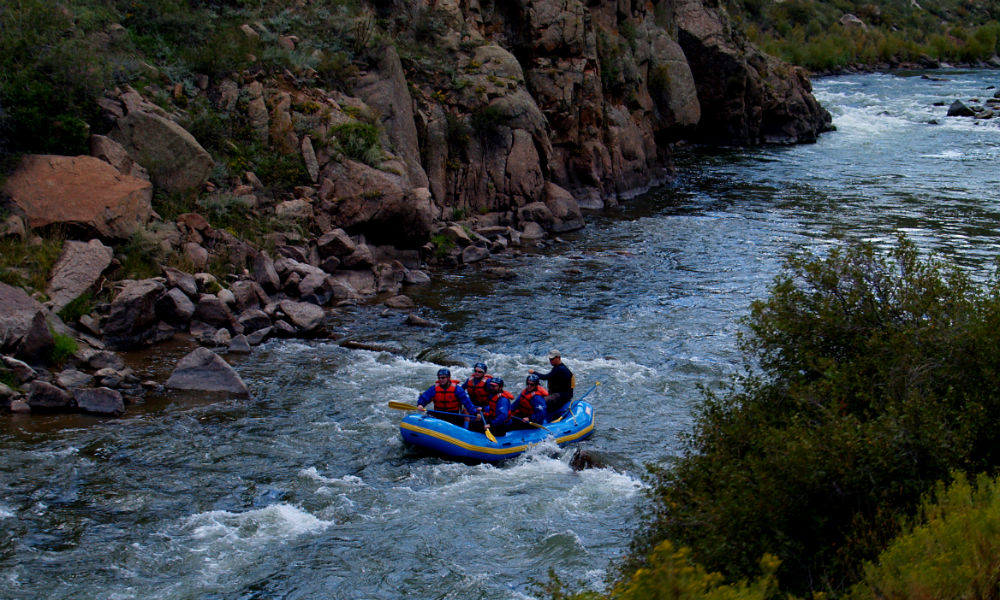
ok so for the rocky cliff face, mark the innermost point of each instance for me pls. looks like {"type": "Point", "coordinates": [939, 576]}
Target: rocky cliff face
{"type": "Point", "coordinates": [523, 110]}
{"type": "Point", "coordinates": [589, 96]}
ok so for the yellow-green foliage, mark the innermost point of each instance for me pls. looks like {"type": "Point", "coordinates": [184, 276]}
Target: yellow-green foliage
{"type": "Point", "coordinates": [26, 263]}
{"type": "Point", "coordinates": [63, 347]}
{"type": "Point", "coordinates": [672, 575]}
{"type": "Point", "coordinates": [952, 551]}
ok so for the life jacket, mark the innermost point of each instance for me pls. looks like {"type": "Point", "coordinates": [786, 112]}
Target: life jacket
{"type": "Point", "coordinates": [477, 391]}
{"type": "Point", "coordinates": [490, 410]}
{"type": "Point", "coordinates": [445, 398]}
{"type": "Point", "coordinates": [522, 407]}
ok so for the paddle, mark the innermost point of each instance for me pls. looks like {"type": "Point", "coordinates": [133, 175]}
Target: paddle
{"type": "Point", "coordinates": [486, 428]}
{"type": "Point", "coordinates": [405, 406]}
{"type": "Point", "coordinates": [533, 424]}
{"type": "Point", "coordinates": [585, 394]}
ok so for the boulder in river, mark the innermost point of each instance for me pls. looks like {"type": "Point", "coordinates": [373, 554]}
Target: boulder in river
{"type": "Point", "coordinates": [205, 371]}
{"type": "Point", "coordinates": [99, 401]}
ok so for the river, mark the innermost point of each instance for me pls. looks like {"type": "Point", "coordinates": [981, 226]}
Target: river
{"type": "Point", "coordinates": [306, 491]}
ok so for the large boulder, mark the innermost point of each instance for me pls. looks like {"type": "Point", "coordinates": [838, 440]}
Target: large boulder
{"type": "Point", "coordinates": [77, 270]}
{"type": "Point", "coordinates": [308, 318]}
{"type": "Point", "coordinates": [175, 160]}
{"type": "Point", "coordinates": [99, 401]}
{"type": "Point", "coordinates": [45, 397]}
{"type": "Point", "coordinates": [375, 203]}
{"type": "Point", "coordinates": [566, 215]}
{"type": "Point", "coordinates": [17, 310]}
{"type": "Point", "coordinates": [79, 191]}
{"type": "Point", "coordinates": [38, 343]}
{"type": "Point", "coordinates": [132, 320]}
{"type": "Point", "coordinates": [205, 371]}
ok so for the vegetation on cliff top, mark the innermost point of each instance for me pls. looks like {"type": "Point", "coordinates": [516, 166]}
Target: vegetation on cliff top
{"type": "Point", "coordinates": [815, 33]}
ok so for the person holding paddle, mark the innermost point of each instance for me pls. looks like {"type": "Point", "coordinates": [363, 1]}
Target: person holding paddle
{"type": "Point", "coordinates": [496, 413]}
{"type": "Point", "coordinates": [529, 407]}
{"type": "Point", "coordinates": [447, 396]}
{"type": "Point", "coordinates": [475, 386]}
{"type": "Point", "coordinates": [561, 383]}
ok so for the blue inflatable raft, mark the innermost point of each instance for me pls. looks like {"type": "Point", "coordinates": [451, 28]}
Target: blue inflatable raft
{"type": "Point", "coordinates": [444, 438]}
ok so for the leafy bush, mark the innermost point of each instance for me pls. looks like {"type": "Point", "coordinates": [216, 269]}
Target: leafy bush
{"type": "Point", "coordinates": [809, 33]}
{"type": "Point", "coordinates": [869, 376]}
{"type": "Point", "coordinates": [25, 263]}
{"type": "Point", "coordinates": [140, 256]}
{"type": "Point", "coordinates": [82, 305]}
{"type": "Point", "coordinates": [359, 141]}
{"type": "Point", "coordinates": [64, 346]}
{"type": "Point", "coordinates": [49, 78]}
{"type": "Point", "coordinates": [489, 122]}
{"type": "Point", "coordinates": [951, 551]}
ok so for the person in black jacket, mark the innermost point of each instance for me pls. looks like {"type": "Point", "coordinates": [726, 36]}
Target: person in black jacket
{"type": "Point", "coordinates": [561, 384]}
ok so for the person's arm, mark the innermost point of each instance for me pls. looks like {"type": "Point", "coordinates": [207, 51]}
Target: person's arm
{"type": "Point", "coordinates": [544, 376]}
{"type": "Point", "coordinates": [425, 398]}
{"type": "Point", "coordinates": [463, 397]}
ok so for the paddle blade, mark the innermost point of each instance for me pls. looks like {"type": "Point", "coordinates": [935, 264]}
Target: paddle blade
{"type": "Point", "coordinates": [403, 406]}
{"type": "Point", "coordinates": [490, 436]}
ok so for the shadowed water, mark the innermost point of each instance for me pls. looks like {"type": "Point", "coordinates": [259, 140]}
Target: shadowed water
{"type": "Point", "coordinates": [306, 491]}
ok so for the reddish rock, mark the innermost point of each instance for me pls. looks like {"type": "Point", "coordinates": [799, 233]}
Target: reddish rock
{"type": "Point", "coordinates": [79, 191]}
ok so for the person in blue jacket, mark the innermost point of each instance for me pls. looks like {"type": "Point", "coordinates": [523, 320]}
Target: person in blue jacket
{"type": "Point", "coordinates": [561, 383]}
{"type": "Point", "coordinates": [529, 405]}
{"type": "Point", "coordinates": [446, 395]}
{"type": "Point", "coordinates": [496, 413]}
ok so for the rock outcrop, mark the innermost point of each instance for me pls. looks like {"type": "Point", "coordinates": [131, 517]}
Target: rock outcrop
{"type": "Point", "coordinates": [79, 191]}
{"type": "Point", "coordinates": [205, 371]}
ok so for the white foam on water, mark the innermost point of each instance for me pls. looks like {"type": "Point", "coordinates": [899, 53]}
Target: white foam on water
{"type": "Point", "coordinates": [945, 155]}
{"type": "Point", "coordinates": [867, 123]}
{"type": "Point", "coordinates": [346, 480]}
{"type": "Point", "coordinates": [219, 530]}
{"type": "Point", "coordinates": [6, 512]}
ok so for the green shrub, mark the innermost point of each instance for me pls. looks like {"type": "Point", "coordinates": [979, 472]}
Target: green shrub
{"type": "Point", "coordinates": [442, 244]}
{"type": "Point", "coordinates": [26, 264]}
{"type": "Point", "coordinates": [63, 348]}
{"type": "Point", "coordinates": [951, 551]}
{"type": "Point", "coordinates": [489, 123]}
{"type": "Point", "coordinates": [7, 378]}
{"type": "Point", "coordinates": [671, 574]}
{"type": "Point", "coordinates": [140, 256]}
{"type": "Point", "coordinates": [49, 79]}
{"type": "Point", "coordinates": [336, 69]}
{"type": "Point", "coordinates": [359, 141]}
{"type": "Point", "coordinates": [869, 376]}
{"type": "Point", "coordinates": [82, 305]}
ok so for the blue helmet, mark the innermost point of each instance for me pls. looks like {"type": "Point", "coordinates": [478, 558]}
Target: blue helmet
{"type": "Point", "coordinates": [532, 379]}
{"type": "Point", "coordinates": [444, 373]}
{"type": "Point", "coordinates": [479, 365]}
{"type": "Point", "coordinates": [497, 381]}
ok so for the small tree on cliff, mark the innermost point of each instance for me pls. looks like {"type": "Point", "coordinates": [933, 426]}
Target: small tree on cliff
{"type": "Point", "coordinates": [873, 377]}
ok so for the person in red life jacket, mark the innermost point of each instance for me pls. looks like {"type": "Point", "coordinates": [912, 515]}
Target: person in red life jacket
{"type": "Point", "coordinates": [529, 405]}
{"type": "Point", "coordinates": [497, 410]}
{"type": "Point", "coordinates": [561, 384]}
{"type": "Point", "coordinates": [475, 386]}
{"type": "Point", "coordinates": [446, 395]}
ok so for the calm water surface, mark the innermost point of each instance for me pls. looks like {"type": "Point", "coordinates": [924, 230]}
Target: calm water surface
{"type": "Point", "coordinates": [306, 491]}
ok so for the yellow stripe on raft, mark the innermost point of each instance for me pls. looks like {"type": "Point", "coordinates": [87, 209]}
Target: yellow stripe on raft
{"type": "Point", "coordinates": [487, 449]}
